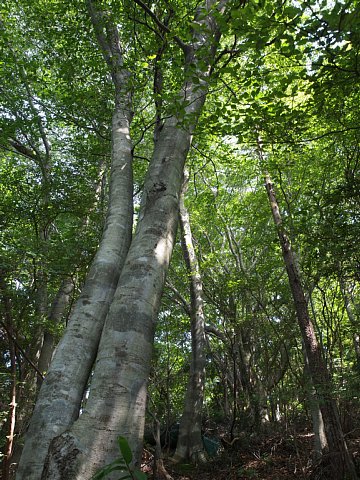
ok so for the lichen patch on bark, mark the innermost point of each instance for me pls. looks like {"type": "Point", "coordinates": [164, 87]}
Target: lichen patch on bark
{"type": "Point", "coordinates": [60, 463]}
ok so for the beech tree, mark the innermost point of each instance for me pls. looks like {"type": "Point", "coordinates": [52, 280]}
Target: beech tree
{"type": "Point", "coordinates": [91, 309]}
{"type": "Point", "coordinates": [190, 444]}
{"type": "Point", "coordinates": [155, 85]}
{"type": "Point", "coordinates": [125, 347]}
{"type": "Point", "coordinates": [32, 151]}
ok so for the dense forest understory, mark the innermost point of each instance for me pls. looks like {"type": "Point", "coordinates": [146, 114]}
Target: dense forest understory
{"type": "Point", "coordinates": [277, 455]}
{"type": "Point", "coordinates": [179, 239]}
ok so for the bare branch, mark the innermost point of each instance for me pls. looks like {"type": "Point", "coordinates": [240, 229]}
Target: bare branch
{"type": "Point", "coordinates": [16, 343]}
{"type": "Point", "coordinates": [161, 25]}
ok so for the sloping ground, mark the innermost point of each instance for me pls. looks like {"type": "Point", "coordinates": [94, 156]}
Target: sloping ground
{"type": "Point", "coordinates": [271, 457]}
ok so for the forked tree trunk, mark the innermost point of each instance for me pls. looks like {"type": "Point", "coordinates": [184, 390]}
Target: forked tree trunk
{"type": "Point", "coordinates": [116, 403]}
{"type": "Point", "coordinates": [337, 463]}
{"type": "Point", "coordinates": [118, 389]}
{"type": "Point", "coordinates": [190, 445]}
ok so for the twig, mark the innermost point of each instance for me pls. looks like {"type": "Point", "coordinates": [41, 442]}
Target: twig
{"type": "Point", "coordinates": [21, 350]}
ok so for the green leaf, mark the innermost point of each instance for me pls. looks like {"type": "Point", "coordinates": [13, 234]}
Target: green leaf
{"type": "Point", "coordinates": [104, 472]}
{"type": "Point", "coordinates": [236, 13]}
{"type": "Point", "coordinates": [291, 11]}
{"type": "Point", "coordinates": [125, 449]}
{"type": "Point", "coordinates": [139, 475]}
{"type": "Point", "coordinates": [99, 475]}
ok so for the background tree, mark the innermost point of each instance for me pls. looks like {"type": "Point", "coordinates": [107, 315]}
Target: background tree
{"type": "Point", "coordinates": [190, 445]}
{"type": "Point", "coordinates": [281, 71]}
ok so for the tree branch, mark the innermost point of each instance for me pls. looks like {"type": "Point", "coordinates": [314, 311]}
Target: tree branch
{"type": "Point", "coordinates": [21, 350]}
{"type": "Point", "coordinates": [161, 25]}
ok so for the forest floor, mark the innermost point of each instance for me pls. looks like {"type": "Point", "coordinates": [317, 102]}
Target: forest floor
{"type": "Point", "coordinates": [277, 456]}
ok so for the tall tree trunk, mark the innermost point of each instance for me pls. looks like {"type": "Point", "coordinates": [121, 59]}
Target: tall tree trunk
{"type": "Point", "coordinates": [320, 442]}
{"type": "Point", "coordinates": [337, 462]}
{"type": "Point", "coordinates": [60, 395]}
{"type": "Point", "coordinates": [117, 398]}
{"type": "Point", "coordinates": [190, 445]}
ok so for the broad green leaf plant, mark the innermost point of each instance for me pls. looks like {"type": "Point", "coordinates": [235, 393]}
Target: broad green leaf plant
{"type": "Point", "coordinates": [122, 464]}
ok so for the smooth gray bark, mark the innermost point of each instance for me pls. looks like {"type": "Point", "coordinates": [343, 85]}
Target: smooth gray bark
{"type": "Point", "coordinates": [116, 403]}
{"type": "Point", "coordinates": [62, 391]}
{"type": "Point", "coordinates": [190, 445]}
{"type": "Point", "coordinates": [60, 396]}
{"type": "Point", "coordinates": [118, 389]}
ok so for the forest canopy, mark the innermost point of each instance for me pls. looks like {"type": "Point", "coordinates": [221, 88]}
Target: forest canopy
{"type": "Point", "coordinates": [179, 208]}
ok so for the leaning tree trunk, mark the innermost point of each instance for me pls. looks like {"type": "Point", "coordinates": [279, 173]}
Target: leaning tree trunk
{"type": "Point", "coordinates": [190, 445]}
{"type": "Point", "coordinates": [61, 394]}
{"type": "Point", "coordinates": [116, 403]}
{"type": "Point", "coordinates": [337, 462]}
